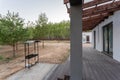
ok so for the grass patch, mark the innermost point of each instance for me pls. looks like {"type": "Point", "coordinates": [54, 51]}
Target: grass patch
{"type": "Point", "coordinates": [1, 58]}
{"type": "Point", "coordinates": [8, 59]}
{"type": "Point", "coordinates": [5, 60]}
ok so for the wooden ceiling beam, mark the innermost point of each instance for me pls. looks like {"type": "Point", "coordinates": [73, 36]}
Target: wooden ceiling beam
{"type": "Point", "coordinates": [95, 12]}
{"type": "Point", "coordinates": [95, 17]}
{"type": "Point", "coordinates": [111, 7]}
{"type": "Point", "coordinates": [85, 28]}
{"type": "Point", "coordinates": [95, 2]}
{"type": "Point", "coordinates": [92, 24]}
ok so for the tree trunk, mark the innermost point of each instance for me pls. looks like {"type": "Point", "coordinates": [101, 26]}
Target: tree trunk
{"type": "Point", "coordinates": [14, 50]}
{"type": "Point", "coordinates": [43, 44]}
{"type": "Point", "coordinates": [16, 45]}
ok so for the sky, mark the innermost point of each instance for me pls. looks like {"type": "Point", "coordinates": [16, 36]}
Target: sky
{"type": "Point", "coordinates": [30, 9]}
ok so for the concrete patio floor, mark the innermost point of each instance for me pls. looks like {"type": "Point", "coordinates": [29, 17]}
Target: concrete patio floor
{"type": "Point", "coordinates": [96, 66]}
{"type": "Point", "coordinates": [40, 71]}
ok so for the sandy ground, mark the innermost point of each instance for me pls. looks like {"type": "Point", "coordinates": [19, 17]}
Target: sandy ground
{"type": "Point", "coordinates": [54, 52]}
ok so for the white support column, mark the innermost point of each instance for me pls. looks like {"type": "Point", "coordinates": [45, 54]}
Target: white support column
{"type": "Point", "coordinates": [76, 42]}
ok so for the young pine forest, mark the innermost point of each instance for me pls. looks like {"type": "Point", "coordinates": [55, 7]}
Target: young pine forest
{"type": "Point", "coordinates": [14, 30]}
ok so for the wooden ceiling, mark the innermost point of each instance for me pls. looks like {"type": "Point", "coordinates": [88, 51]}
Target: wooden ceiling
{"type": "Point", "coordinates": [96, 11]}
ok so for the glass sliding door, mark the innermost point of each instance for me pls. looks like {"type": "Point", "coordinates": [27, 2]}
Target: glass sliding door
{"type": "Point", "coordinates": [108, 39]}
{"type": "Point", "coordinates": [105, 39]}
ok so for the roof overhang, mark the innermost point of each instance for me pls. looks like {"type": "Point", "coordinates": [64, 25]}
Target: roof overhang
{"type": "Point", "coordinates": [96, 11]}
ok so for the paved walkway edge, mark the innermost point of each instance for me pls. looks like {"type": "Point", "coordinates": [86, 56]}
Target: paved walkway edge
{"type": "Point", "coordinates": [51, 72]}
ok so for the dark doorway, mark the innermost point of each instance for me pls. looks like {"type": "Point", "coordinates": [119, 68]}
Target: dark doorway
{"type": "Point", "coordinates": [88, 39]}
{"type": "Point", "coordinates": [108, 39]}
{"type": "Point", "coordinates": [94, 39]}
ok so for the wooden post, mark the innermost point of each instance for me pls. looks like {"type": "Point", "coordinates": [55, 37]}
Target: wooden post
{"type": "Point", "coordinates": [76, 42]}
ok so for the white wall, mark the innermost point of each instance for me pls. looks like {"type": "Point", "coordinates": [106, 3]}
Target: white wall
{"type": "Point", "coordinates": [116, 34]}
{"type": "Point", "coordinates": [99, 33]}
{"type": "Point", "coordinates": [84, 34]}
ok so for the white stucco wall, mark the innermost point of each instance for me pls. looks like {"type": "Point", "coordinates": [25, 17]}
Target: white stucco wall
{"type": "Point", "coordinates": [84, 34]}
{"type": "Point", "coordinates": [116, 34]}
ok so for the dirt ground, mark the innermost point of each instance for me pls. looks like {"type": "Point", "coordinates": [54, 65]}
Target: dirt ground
{"type": "Point", "coordinates": [54, 52]}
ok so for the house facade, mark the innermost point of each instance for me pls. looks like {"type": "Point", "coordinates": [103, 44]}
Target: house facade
{"type": "Point", "coordinates": [106, 36]}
